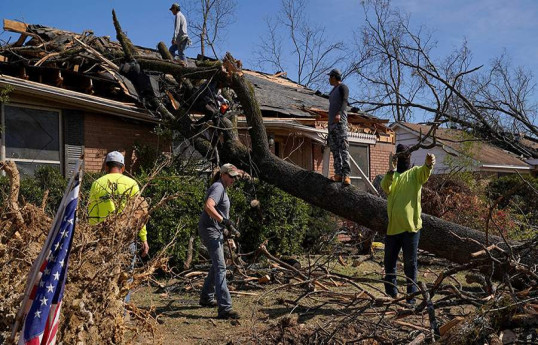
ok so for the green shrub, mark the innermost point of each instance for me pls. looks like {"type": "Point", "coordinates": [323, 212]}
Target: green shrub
{"type": "Point", "coordinates": [33, 188]}
{"type": "Point", "coordinates": [179, 214]}
{"type": "Point", "coordinates": [286, 222]}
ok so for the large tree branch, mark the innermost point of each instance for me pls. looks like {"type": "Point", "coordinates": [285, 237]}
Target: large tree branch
{"type": "Point", "coordinates": [438, 236]}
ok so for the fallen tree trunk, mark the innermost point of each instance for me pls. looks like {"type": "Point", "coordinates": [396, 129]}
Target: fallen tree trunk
{"type": "Point", "coordinates": [440, 237]}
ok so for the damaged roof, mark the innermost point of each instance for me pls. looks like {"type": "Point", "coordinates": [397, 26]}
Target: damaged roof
{"type": "Point", "coordinates": [279, 94]}
{"type": "Point", "coordinates": [89, 64]}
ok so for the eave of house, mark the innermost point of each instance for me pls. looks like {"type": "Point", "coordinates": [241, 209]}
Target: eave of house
{"type": "Point", "coordinates": [80, 100]}
{"type": "Point", "coordinates": [318, 135]}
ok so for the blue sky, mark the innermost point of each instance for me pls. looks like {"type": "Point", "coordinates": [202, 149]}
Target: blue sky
{"type": "Point", "coordinates": [490, 26]}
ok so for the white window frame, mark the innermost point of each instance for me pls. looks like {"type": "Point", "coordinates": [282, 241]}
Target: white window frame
{"type": "Point", "coordinates": [351, 165]}
{"type": "Point", "coordinates": [60, 135]}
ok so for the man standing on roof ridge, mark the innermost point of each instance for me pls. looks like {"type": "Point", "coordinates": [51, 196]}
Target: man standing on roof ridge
{"type": "Point", "coordinates": [180, 39]}
{"type": "Point", "coordinates": [338, 143]}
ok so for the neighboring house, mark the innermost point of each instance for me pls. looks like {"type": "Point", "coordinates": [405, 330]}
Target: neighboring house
{"type": "Point", "coordinates": [457, 150]}
{"type": "Point", "coordinates": [58, 111]}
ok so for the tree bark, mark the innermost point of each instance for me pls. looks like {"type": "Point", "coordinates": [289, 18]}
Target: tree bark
{"type": "Point", "coordinates": [13, 199]}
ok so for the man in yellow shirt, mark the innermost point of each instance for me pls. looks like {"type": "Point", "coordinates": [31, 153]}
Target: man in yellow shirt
{"type": "Point", "coordinates": [110, 193]}
{"type": "Point", "coordinates": [403, 186]}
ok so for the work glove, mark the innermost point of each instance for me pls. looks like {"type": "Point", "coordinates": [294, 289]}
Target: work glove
{"type": "Point", "coordinates": [230, 231]}
{"type": "Point", "coordinates": [430, 160]}
{"type": "Point", "coordinates": [226, 222]}
{"type": "Point", "coordinates": [393, 162]}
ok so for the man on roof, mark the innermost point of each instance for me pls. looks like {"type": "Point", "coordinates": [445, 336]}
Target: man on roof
{"type": "Point", "coordinates": [180, 39]}
{"type": "Point", "coordinates": [338, 143]}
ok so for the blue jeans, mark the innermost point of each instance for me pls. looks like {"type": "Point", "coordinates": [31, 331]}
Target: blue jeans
{"type": "Point", "coordinates": [180, 48]}
{"type": "Point", "coordinates": [215, 282]}
{"type": "Point", "coordinates": [408, 242]}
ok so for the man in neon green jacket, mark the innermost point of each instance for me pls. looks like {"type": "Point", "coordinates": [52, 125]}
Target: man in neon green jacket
{"type": "Point", "coordinates": [403, 186]}
{"type": "Point", "coordinates": [112, 190]}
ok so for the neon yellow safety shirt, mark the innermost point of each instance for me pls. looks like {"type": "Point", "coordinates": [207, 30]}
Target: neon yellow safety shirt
{"type": "Point", "coordinates": [109, 191]}
{"type": "Point", "coordinates": [404, 192]}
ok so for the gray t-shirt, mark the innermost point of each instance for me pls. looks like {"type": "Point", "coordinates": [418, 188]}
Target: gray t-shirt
{"type": "Point", "coordinates": [207, 225]}
{"type": "Point", "coordinates": [338, 101]}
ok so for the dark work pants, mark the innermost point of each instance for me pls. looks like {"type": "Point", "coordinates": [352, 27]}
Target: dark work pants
{"type": "Point", "coordinates": [339, 145]}
{"type": "Point", "coordinates": [408, 242]}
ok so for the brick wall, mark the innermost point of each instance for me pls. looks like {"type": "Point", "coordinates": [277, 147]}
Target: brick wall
{"type": "Point", "coordinates": [379, 158]}
{"type": "Point", "coordinates": [104, 133]}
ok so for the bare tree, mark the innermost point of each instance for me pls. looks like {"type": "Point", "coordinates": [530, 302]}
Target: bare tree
{"type": "Point", "coordinates": [208, 20]}
{"type": "Point", "coordinates": [291, 29]}
{"type": "Point", "coordinates": [400, 76]}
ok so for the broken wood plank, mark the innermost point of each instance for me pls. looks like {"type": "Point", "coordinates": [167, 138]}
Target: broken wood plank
{"type": "Point", "coordinates": [15, 26]}
{"type": "Point", "coordinates": [444, 328]}
{"type": "Point", "coordinates": [173, 101]}
{"type": "Point", "coordinates": [98, 55]}
{"type": "Point", "coordinates": [264, 279]}
{"type": "Point", "coordinates": [243, 293]}
{"type": "Point", "coordinates": [194, 274]}
{"type": "Point", "coordinates": [407, 324]}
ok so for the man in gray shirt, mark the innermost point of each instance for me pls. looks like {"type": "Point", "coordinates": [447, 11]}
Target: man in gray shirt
{"type": "Point", "coordinates": [180, 39]}
{"type": "Point", "coordinates": [338, 142]}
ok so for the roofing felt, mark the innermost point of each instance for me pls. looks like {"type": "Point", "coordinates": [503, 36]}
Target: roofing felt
{"type": "Point", "coordinates": [279, 94]}
{"type": "Point", "coordinates": [469, 145]}
{"type": "Point", "coordinates": [286, 97]}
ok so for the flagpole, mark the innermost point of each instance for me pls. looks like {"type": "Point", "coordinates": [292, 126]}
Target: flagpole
{"type": "Point", "coordinates": [35, 266]}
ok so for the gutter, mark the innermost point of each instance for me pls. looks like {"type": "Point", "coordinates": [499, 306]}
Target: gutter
{"type": "Point", "coordinates": [506, 168]}
{"type": "Point", "coordinates": [316, 134]}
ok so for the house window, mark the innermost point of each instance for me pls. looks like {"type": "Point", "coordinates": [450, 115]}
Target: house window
{"type": "Point", "coordinates": [359, 154]}
{"type": "Point", "coordinates": [31, 137]}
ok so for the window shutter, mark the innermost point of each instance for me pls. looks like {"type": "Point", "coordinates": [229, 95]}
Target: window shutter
{"type": "Point", "coordinates": [73, 123]}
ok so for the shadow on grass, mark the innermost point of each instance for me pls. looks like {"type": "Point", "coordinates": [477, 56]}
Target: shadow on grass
{"type": "Point", "coordinates": [179, 311]}
{"type": "Point", "coordinates": [304, 313]}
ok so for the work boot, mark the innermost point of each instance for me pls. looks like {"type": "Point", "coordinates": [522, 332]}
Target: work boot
{"type": "Point", "coordinates": [347, 181]}
{"type": "Point", "coordinates": [208, 303]}
{"type": "Point", "coordinates": [336, 178]}
{"type": "Point", "coordinates": [230, 314]}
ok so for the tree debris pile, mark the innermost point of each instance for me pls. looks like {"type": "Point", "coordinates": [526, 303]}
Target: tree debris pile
{"type": "Point", "coordinates": [98, 276]}
{"type": "Point", "coordinates": [456, 304]}
{"type": "Point", "coordinates": [80, 62]}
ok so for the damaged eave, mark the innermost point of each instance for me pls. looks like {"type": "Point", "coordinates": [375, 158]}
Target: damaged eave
{"type": "Point", "coordinates": [316, 134]}
{"type": "Point", "coordinates": [84, 101]}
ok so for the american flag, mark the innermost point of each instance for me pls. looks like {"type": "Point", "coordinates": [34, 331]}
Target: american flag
{"type": "Point", "coordinates": [45, 300]}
